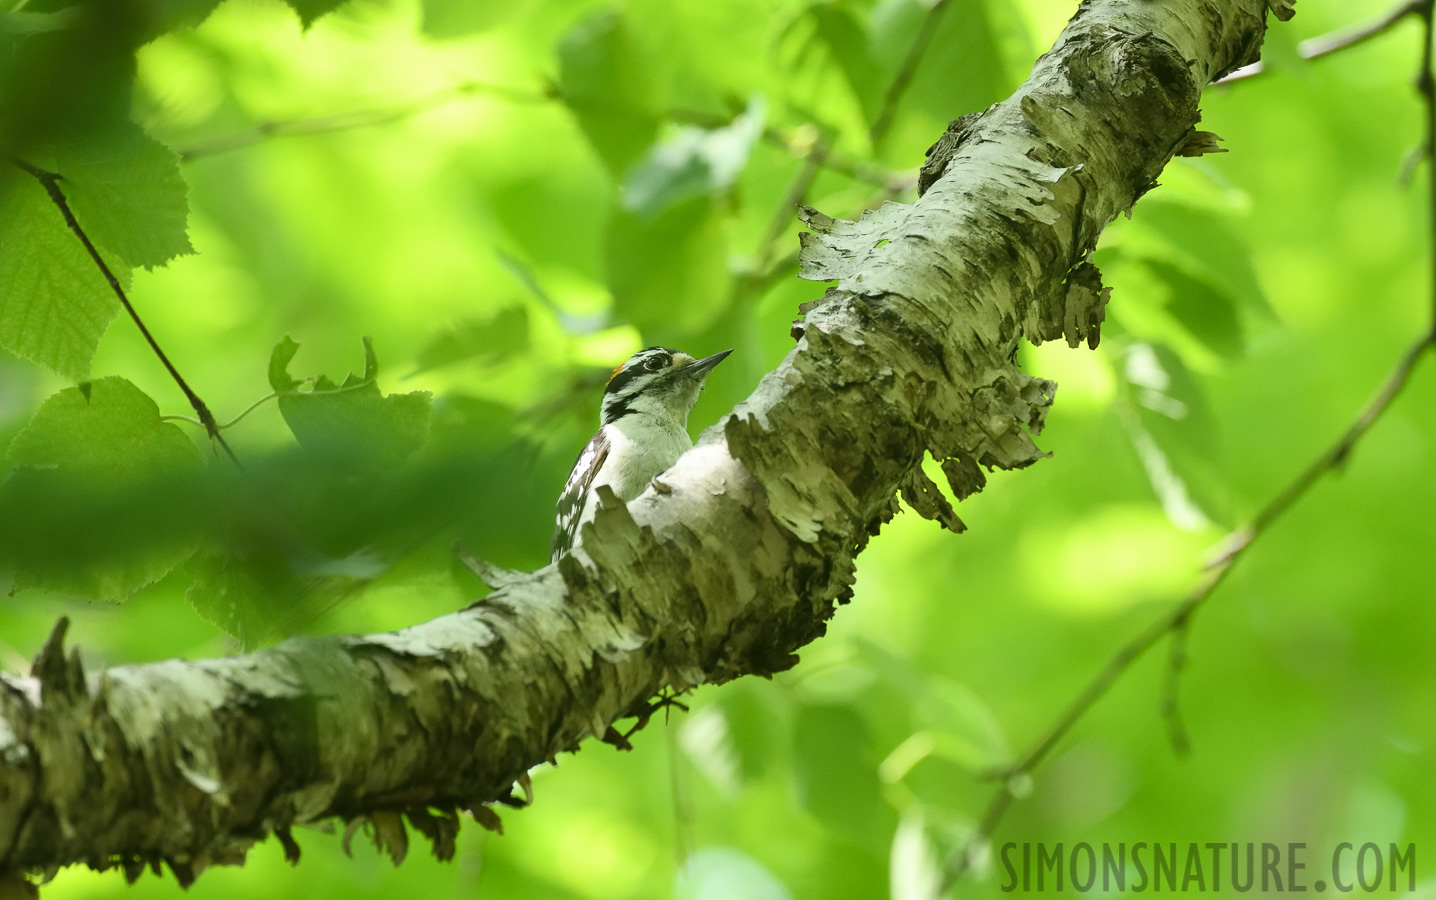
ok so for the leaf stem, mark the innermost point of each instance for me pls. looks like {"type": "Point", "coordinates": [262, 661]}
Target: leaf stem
{"type": "Point", "coordinates": [272, 395]}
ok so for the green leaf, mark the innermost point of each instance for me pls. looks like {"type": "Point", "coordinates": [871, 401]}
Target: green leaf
{"type": "Point", "coordinates": [669, 275]}
{"type": "Point", "coordinates": [126, 191]}
{"type": "Point", "coordinates": [104, 435]}
{"type": "Point", "coordinates": [966, 730]}
{"type": "Point", "coordinates": [607, 80]}
{"type": "Point", "coordinates": [1204, 243]}
{"type": "Point", "coordinates": [483, 341]}
{"type": "Point", "coordinates": [692, 162]}
{"type": "Point", "coordinates": [828, 71]}
{"type": "Point", "coordinates": [758, 716]}
{"type": "Point", "coordinates": [1203, 309]}
{"type": "Point", "coordinates": [1173, 432]}
{"type": "Point", "coordinates": [835, 772]}
{"type": "Point", "coordinates": [963, 69]}
{"type": "Point", "coordinates": [351, 426]}
{"type": "Point", "coordinates": [54, 303]}
{"type": "Point", "coordinates": [279, 359]}
{"type": "Point", "coordinates": [22, 23]}
{"type": "Point", "coordinates": [106, 427]}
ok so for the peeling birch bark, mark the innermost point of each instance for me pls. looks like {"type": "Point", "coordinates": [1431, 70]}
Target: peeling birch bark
{"type": "Point", "coordinates": [725, 569]}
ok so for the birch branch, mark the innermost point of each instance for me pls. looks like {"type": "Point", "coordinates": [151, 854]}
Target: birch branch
{"type": "Point", "coordinates": [727, 567]}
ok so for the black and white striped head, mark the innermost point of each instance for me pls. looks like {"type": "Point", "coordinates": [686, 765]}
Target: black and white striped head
{"type": "Point", "coordinates": [659, 381]}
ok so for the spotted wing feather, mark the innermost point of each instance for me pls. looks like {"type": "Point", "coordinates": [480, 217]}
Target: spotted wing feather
{"type": "Point", "coordinates": [572, 501]}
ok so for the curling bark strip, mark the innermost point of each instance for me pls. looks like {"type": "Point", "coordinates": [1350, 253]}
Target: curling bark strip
{"type": "Point", "coordinates": [723, 569]}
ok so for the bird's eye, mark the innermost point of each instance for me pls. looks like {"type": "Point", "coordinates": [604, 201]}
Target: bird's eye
{"type": "Point", "coordinates": [653, 365]}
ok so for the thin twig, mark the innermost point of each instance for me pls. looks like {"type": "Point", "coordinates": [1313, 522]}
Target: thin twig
{"type": "Point", "coordinates": [50, 181]}
{"type": "Point", "coordinates": [1171, 686]}
{"type": "Point", "coordinates": [1175, 620]}
{"type": "Point", "coordinates": [359, 118]}
{"type": "Point", "coordinates": [879, 129]}
{"type": "Point", "coordinates": [1332, 42]}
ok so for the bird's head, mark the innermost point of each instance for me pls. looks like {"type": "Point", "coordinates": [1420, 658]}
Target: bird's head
{"type": "Point", "coordinates": [659, 381]}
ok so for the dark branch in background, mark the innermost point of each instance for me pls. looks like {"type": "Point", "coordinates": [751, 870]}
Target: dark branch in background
{"type": "Point", "coordinates": [1171, 687]}
{"type": "Point", "coordinates": [50, 181]}
{"type": "Point", "coordinates": [1177, 623]}
{"type": "Point", "coordinates": [904, 76]}
{"type": "Point", "coordinates": [1326, 44]}
{"type": "Point", "coordinates": [360, 118]}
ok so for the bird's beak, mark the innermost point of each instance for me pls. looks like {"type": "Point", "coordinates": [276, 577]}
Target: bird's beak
{"type": "Point", "coordinates": [705, 365]}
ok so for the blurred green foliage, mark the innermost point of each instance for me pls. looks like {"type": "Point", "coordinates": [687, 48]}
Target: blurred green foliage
{"type": "Point", "coordinates": [509, 198]}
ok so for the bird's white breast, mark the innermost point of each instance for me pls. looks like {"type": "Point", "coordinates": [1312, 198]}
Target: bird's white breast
{"type": "Point", "coordinates": [640, 447]}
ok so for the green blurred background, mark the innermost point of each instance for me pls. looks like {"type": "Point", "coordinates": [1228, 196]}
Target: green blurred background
{"type": "Point", "coordinates": [530, 191]}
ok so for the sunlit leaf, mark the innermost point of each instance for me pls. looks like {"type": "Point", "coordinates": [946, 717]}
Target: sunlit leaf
{"type": "Point", "coordinates": [460, 18]}
{"type": "Point", "coordinates": [669, 275]}
{"type": "Point", "coordinates": [692, 162]}
{"type": "Point", "coordinates": [827, 66]}
{"type": "Point", "coordinates": [1172, 431]}
{"type": "Point", "coordinates": [719, 872]}
{"type": "Point", "coordinates": [103, 427]}
{"type": "Point", "coordinates": [128, 195]}
{"type": "Point", "coordinates": [54, 303]}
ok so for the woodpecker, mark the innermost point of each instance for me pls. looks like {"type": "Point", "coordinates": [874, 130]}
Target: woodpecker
{"type": "Point", "coordinates": [643, 429]}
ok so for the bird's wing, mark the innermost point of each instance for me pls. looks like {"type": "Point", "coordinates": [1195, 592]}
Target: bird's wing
{"type": "Point", "coordinates": [575, 494]}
